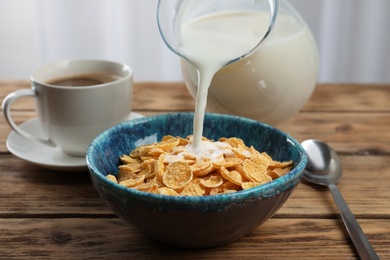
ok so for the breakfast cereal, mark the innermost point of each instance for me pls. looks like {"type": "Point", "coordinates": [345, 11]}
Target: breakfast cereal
{"type": "Point", "coordinates": [172, 167]}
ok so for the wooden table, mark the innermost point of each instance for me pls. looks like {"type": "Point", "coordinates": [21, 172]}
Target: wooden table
{"type": "Point", "coordinates": [48, 214]}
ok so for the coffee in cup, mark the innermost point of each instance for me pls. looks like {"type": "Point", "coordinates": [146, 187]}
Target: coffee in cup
{"type": "Point", "coordinates": [75, 101]}
{"type": "Point", "coordinates": [84, 80]}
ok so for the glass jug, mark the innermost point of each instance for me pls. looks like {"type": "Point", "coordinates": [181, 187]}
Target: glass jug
{"type": "Point", "coordinates": [273, 82]}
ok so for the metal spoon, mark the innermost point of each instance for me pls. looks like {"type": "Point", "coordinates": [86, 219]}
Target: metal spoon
{"type": "Point", "coordinates": [324, 168]}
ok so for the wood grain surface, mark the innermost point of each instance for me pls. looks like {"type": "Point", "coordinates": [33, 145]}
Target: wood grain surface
{"type": "Point", "coordinates": [46, 214]}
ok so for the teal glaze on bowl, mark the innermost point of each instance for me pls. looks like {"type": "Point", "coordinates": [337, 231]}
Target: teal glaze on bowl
{"type": "Point", "coordinates": [226, 216]}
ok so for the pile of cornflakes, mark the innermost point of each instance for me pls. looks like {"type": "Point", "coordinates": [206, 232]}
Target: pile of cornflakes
{"type": "Point", "coordinates": [170, 167]}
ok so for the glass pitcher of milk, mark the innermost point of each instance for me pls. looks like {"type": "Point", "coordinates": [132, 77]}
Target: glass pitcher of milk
{"type": "Point", "coordinates": [269, 85]}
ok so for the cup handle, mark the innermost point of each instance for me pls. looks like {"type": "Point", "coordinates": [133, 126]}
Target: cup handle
{"type": "Point", "coordinates": [6, 107]}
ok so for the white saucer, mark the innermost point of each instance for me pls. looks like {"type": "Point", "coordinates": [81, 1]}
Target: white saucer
{"type": "Point", "coordinates": [42, 155]}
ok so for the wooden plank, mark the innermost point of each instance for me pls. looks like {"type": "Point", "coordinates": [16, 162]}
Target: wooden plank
{"type": "Point", "coordinates": [364, 186]}
{"type": "Point", "coordinates": [169, 96]}
{"type": "Point", "coordinates": [174, 96]}
{"type": "Point", "coordinates": [350, 97]}
{"type": "Point", "coordinates": [22, 116]}
{"type": "Point", "coordinates": [49, 214]}
{"type": "Point", "coordinates": [347, 133]}
{"type": "Point", "coordinates": [85, 238]}
{"type": "Point", "coordinates": [24, 186]}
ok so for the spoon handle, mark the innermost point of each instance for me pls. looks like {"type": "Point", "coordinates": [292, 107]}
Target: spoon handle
{"type": "Point", "coordinates": [363, 246]}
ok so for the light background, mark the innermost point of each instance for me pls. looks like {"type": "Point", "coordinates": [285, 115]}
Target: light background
{"type": "Point", "coordinates": [353, 37]}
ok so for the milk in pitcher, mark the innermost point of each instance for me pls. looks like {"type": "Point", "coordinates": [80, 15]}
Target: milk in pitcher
{"type": "Point", "coordinates": [210, 42]}
{"type": "Point", "coordinates": [270, 85]}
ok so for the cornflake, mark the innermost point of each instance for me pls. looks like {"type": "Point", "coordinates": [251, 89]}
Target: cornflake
{"type": "Point", "coordinates": [172, 168]}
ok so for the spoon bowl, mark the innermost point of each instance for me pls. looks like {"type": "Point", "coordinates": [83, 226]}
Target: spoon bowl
{"type": "Point", "coordinates": [324, 168]}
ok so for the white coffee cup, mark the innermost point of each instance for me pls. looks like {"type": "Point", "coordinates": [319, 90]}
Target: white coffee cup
{"type": "Point", "coordinates": [72, 116]}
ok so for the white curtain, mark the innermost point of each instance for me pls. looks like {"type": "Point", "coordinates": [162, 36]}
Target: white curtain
{"type": "Point", "coordinates": [352, 37]}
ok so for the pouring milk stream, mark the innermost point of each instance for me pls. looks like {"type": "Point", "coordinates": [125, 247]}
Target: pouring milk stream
{"type": "Point", "coordinates": [210, 42]}
{"type": "Point", "coordinates": [223, 66]}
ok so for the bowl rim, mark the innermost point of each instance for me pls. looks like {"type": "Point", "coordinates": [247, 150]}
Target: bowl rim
{"type": "Point", "coordinates": [270, 189]}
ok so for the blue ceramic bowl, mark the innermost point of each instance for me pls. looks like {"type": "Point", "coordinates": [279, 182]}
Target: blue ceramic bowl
{"type": "Point", "coordinates": [203, 221]}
